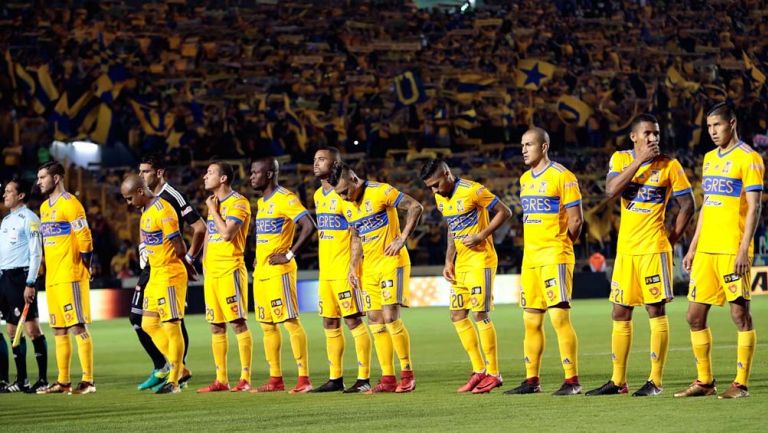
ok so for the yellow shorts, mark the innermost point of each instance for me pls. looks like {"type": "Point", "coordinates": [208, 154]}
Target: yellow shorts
{"type": "Point", "coordinates": [226, 298]}
{"type": "Point", "coordinates": [69, 304]}
{"type": "Point", "coordinates": [546, 286]}
{"type": "Point", "coordinates": [642, 279]}
{"type": "Point", "coordinates": [473, 290]}
{"type": "Point", "coordinates": [276, 299]}
{"type": "Point", "coordinates": [338, 299]}
{"type": "Point", "coordinates": [386, 288]}
{"type": "Point", "coordinates": [713, 281]}
{"type": "Point", "coordinates": [166, 296]}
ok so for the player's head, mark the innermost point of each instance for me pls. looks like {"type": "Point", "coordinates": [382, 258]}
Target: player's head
{"type": "Point", "coordinates": [535, 144]}
{"type": "Point", "coordinates": [437, 176]}
{"type": "Point", "coordinates": [152, 170]}
{"type": "Point", "coordinates": [721, 124]}
{"type": "Point", "coordinates": [135, 192]}
{"type": "Point", "coordinates": [49, 176]}
{"type": "Point", "coordinates": [325, 158]}
{"type": "Point", "coordinates": [218, 173]}
{"type": "Point", "coordinates": [346, 183]}
{"type": "Point", "coordinates": [264, 172]}
{"type": "Point", "coordinates": [15, 193]}
{"type": "Point", "coordinates": [644, 130]}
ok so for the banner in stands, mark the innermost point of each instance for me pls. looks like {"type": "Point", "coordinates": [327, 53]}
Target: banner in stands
{"type": "Point", "coordinates": [425, 292]}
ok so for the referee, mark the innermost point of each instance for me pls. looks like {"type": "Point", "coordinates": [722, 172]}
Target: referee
{"type": "Point", "coordinates": [21, 252]}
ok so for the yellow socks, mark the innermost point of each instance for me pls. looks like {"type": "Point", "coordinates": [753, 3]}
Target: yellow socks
{"type": "Point", "coordinates": [363, 350]}
{"type": "Point", "coordinates": [488, 342]}
{"type": "Point", "coordinates": [659, 348]}
{"type": "Point", "coordinates": [220, 344]}
{"type": "Point", "coordinates": [175, 349]}
{"type": "Point", "coordinates": [384, 350]}
{"type": "Point", "coordinates": [621, 342]}
{"type": "Point", "coordinates": [566, 340]}
{"type": "Point", "coordinates": [245, 346]}
{"type": "Point", "coordinates": [402, 343]}
{"type": "Point", "coordinates": [533, 343]}
{"type": "Point", "coordinates": [298, 345]}
{"type": "Point", "coordinates": [702, 351]}
{"type": "Point", "coordinates": [154, 328]}
{"type": "Point", "coordinates": [63, 357]}
{"type": "Point", "coordinates": [745, 351]}
{"type": "Point", "coordinates": [273, 340]}
{"type": "Point", "coordinates": [334, 346]}
{"type": "Point", "coordinates": [469, 339]}
{"type": "Point", "coordinates": [85, 353]}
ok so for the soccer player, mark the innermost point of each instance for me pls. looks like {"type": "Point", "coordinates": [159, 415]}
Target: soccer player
{"type": "Point", "coordinates": [337, 297]}
{"type": "Point", "coordinates": [645, 180]}
{"type": "Point", "coordinates": [274, 275]}
{"type": "Point", "coordinates": [68, 249]}
{"type": "Point", "coordinates": [466, 207]}
{"type": "Point", "coordinates": [378, 246]}
{"type": "Point", "coordinates": [165, 295]}
{"type": "Point", "coordinates": [21, 252]}
{"type": "Point", "coordinates": [153, 170]}
{"type": "Point", "coordinates": [226, 279]}
{"type": "Point", "coordinates": [552, 219]}
{"type": "Point", "coordinates": [720, 255]}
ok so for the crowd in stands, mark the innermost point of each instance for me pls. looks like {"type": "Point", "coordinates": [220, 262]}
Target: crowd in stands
{"type": "Point", "coordinates": [385, 81]}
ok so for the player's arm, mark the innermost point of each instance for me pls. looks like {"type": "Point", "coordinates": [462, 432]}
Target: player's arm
{"type": "Point", "coordinates": [83, 235]}
{"type": "Point", "coordinates": [306, 228]}
{"type": "Point", "coordinates": [688, 259]}
{"type": "Point", "coordinates": [616, 182]}
{"type": "Point", "coordinates": [450, 257]}
{"type": "Point", "coordinates": [501, 213]}
{"type": "Point", "coordinates": [743, 262]}
{"type": "Point", "coordinates": [413, 211]}
{"type": "Point", "coordinates": [35, 246]}
{"type": "Point", "coordinates": [356, 257]}
{"type": "Point", "coordinates": [192, 217]}
{"type": "Point", "coordinates": [227, 229]}
{"type": "Point", "coordinates": [198, 236]}
{"type": "Point", "coordinates": [575, 221]}
{"type": "Point", "coordinates": [687, 207]}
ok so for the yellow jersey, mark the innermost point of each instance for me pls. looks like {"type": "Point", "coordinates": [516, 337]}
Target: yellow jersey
{"type": "Point", "coordinates": [545, 197]}
{"type": "Point", "coordinates": [726, 178]}
{"type": "Point", "coordinates": [644, 202]}
{"type": "Point", "coordinates": [223, 257]}
{"type": "Point", "coordinates": [276, 218]}
{"type": "Point", "coordinates": [376, 221]}
{"type": "Point", "coordinates": [333, 235]}
{"type": "Point", "coordinates": [65, 236]}
{"type": "Point", "coordinates": [467, 213]}
{"type": "Point", "coordinates": [160, 224]}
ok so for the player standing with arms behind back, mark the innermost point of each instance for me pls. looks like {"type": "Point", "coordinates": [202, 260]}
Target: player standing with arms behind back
{"type": "Point", "coordinates": [466, 206]}
{"type": "Point", "coordinates": [721, 252]}
{"type": "Point", "coordinates": [68, 250]}
{"type": "Point", "coordinates": [552, 219]}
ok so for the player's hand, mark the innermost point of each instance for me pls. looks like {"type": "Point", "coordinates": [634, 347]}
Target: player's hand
{"type": "Point", "coordinates": [471, 241]}
{"type": "Point", "coordinates": [354, 279]}
{"type": "Point", "coordinates": [191, 272]}
{"type": "Point", "coordinates": [688, 261]}
{"type": "Point", "coordinates": [648, 152]}
{"type": "Point", "coordinates": [449, 273]}
{"type": "Point", "coordinates": [393, 248]}
{"type": "Point", "coordinates": [741, 267]}
{"type": "Point", "coordinates": [213, 203]}
{"type": "Point", "coordinates": [29, 294]}
{"type": "Point", "coordinates": [277, 259]}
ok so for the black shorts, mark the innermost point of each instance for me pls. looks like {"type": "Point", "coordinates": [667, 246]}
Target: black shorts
{"type": "Point", "coordinates": [137, 301]}
{"type": "Point", "coordinates": [12, 284]}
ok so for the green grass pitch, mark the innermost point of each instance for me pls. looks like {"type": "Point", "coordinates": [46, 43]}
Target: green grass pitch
{"type": "Point", "coordinates": [441, 366]}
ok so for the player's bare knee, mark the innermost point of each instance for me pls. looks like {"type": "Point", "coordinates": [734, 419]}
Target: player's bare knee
{"type": "Point", "coordinates": [655, 310]}
{"type": "Point", "coordinates": [696, 320]}
{"type": "Point", "coordinates": [458, 315]}
{"type": "Point", "coordinates": [621, 313]}
{"type": "Point", "coordinates": [239, 326]}
{"type": "Point", "coordinates": [391, 313]}
{"type": "Point", "coordinates": [481, 316]}
{"type": "Point", "coordinates": [331, 323]}
{"type": "Point", "coordinates": [353, 321]}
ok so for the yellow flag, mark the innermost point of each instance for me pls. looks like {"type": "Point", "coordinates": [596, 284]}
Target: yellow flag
{"type": "Point", "coordinates": [573, 110]}
{"type": "Point", "coordinates": [756, 75]}
{"type": "Point", "coordinates": [531, 74]}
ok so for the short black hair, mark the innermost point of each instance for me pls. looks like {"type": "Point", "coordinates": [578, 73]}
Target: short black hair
{"type": "Point", "coordinates": [333, 150]}
{"type": "Point", "coordinates": [640, 118]}
{"type": "Point", "coordinates": [724, 110]}
{"type": "Point", "coordinates": [430, 167]}
{"type": "Point", "coordinates": [156, 161]}
{"type": "Point", "coordinates": [225, 169]}
{"type": "Point", "coordinates": [22, 187]}
{"type": "Point", "coordinates": [53, 168]}
{"type": "Point", "coordinates": [337, 172]}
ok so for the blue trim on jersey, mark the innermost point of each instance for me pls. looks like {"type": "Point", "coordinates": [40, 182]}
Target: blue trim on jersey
{"type": "Point", "coordinates": [735, 146]}
{"type": "Point", "coordinates": [57, 228]}
{"type": "Point", "coordinates": [301, 215]}
{"type": "Point", "coordinates": [455, 186]}
{"type": "Point", "coordinates": [493, 203]}
{"type": "Point", "coordinates": [399, 198]}
{"type": "Point", "coordinates": [613, 173]}
{"type": "Point", "coordinates": [753, 188]}
{"type": "Point", "coordinates": [269, 226]}
{"type": "Point", "coordinates": [721, 185]}
{"type": "Point", "coordinates": [681, 192]}
{"type": "Point", "coordinates": [371, 222]}
{"type": "Point", "coordinates": [538, 204]}
{"type": "Point", "coordinates": [460, 222]}
{"type": "Point", "coordinates": [152, 238]}
{"type": "Point", "coordinates": [173, 235]}
{"type": "Point", "coordinates": [326, 193]}
{"type": "Point", "coordinates": [572, 204]}
{"type": "Point", "coordinates": [267, 197]}
{"type": "Point", "coordinates": [331, 221]}
{"type": "Point", "coordinates": [533, 173]}
{"type": "Point", "coordinates": [235, 219]}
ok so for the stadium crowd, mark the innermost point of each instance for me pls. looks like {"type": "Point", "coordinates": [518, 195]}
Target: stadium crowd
{"type": "Point", "coordinates": [388, 83]}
